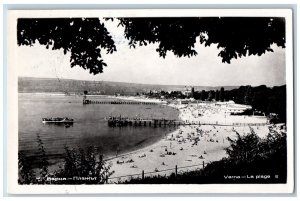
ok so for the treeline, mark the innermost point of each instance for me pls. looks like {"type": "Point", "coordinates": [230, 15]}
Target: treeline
{"type": "Point", "coordinates": [262, 98]}
{"type": "Point", "coordinates": [251, 159]}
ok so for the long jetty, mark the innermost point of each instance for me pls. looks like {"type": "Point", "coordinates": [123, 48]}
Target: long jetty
{"type": "Point", "coordinates": [125, 121]}
{"type": "Point", "coordinates": [119, 102]}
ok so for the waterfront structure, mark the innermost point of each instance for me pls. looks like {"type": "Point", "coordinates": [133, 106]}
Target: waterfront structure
{"type": "Point", "coordinates": [189, 92]}
{"type": "Point", "coordinates": [231, 107]}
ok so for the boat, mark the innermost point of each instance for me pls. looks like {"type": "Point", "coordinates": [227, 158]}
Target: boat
{"type": "Point", "coordinates": [58, 120]}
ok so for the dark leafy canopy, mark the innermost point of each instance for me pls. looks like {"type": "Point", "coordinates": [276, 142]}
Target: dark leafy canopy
{"type": "Point", "coordinates": [235, 37]}
{"type": "Point", "coordinates": [85, 37]}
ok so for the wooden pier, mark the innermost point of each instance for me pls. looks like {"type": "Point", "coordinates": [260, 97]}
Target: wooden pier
{"type": "Point", "coordinates": [138, 122]}
{"type": "Point", "coordinates": [118, 102]}
{"type": "Point", "coordinates": [123, 122]}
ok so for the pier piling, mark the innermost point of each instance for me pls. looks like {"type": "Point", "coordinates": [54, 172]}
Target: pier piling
{"type": "Point", "coordinates": [86, 101]}
{"type": "Point", "coordinates": [138, 122]}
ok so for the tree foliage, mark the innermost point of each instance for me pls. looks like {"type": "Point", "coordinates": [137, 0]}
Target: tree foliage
{"type": "Point", "coordinates": [84, 38]}
{"type": "Point", "coordinates": [244, 148]}
{"type": "Point", "coordinates": [43, 162]}
{"type": "Point", "coordinates": [83, 164]}
{"type": "Point", "coordinates": [26, 173]}
{"type": "Point", "coordinates": [79, 167]}
{"type": "Point", "coordinates": [262, 98]}
{"type": "Point", "coordinates": [251, 149]}
{"type": "Point", "coordinates": [234, 36]}
{"type": "Point", "coordinates": [249, 157]}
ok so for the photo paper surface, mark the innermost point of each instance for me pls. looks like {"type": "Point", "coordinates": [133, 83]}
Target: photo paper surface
{"type": "Point", "coordinates": [150, 101]}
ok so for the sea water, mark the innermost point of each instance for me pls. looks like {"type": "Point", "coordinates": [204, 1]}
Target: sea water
{"type": "Point", "coordinates": [90, 127]}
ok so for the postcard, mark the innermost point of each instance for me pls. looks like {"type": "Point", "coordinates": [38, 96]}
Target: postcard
{"type": "Point", "coordinates": [150, 101]}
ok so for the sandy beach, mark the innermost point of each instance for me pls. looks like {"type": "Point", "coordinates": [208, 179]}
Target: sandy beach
{"type": "Point", "coordinates": [189, 145]}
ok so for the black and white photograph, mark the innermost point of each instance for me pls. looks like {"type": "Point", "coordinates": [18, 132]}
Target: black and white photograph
{"type": "Point", "coordinates": [116, 98]}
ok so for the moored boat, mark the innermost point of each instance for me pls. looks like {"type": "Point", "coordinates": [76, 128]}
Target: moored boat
{"type": "Point", "coordinates": [58, 120]}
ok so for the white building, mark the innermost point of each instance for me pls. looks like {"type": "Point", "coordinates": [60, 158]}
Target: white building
{"type": "Point", "coordinates": [237, 108]}
{"type": "Point", "coordinates": [232, 107]}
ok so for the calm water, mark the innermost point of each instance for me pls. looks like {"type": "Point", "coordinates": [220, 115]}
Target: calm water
{"type": "Point", "coordinates": [89, 128]}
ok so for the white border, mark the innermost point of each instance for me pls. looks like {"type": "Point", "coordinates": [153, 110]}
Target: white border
{"type": "Point", "coordinates": [13, 186]}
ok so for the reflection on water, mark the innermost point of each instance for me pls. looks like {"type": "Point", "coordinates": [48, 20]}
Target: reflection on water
{"type": "Point", "coordinates": [89, 127]}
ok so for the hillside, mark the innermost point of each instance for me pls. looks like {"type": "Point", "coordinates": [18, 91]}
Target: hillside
{"type": "Point", "coordinates": [33, 85]}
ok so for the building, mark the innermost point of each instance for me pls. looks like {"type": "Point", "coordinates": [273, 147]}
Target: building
{"type": "Point", "coordinates": [231, 107]}
{"type": "Point", "coordinates": [189, 92]}
{"type": "Point", "coordinates": [237, 108]}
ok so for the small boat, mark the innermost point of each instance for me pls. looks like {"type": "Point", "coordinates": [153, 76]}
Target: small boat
{"type": "Point", "coordinates": [58, 120]}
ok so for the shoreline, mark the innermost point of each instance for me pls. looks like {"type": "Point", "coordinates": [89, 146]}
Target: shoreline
{"type": "Point", "coordinates": [55, 165]}
{"type": "Point", "coordinates": [188, 146]}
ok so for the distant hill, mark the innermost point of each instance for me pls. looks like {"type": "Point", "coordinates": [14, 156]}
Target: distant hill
{"type": "Point", "coordinates": [33, 85]}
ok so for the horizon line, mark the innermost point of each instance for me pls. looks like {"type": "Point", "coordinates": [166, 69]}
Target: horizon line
{"type": "Point", "coordinates": [152, 84]}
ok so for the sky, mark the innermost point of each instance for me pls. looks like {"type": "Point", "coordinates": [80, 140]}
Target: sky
{"type": "Point", "coordinates": [143, 65]}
